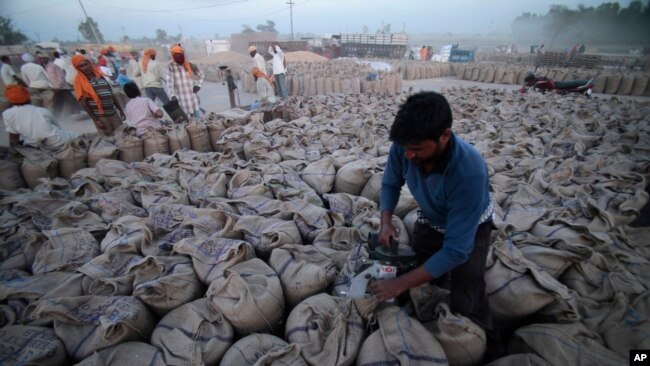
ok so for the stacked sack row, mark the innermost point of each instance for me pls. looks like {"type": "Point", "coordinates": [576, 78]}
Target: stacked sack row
{"type": "Point", "coordinates": [630, 83]}
{"type": "Point", "coordinates": [27, 165]}
{"type": "Point", "coordinates": [233, 256]}
{"type": "Point", "coordinates": [414, 70]}
{"type": "Point", "coordinates": [338, 76]}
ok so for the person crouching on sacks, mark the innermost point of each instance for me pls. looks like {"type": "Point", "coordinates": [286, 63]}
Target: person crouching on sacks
{"type": "Point", "coordinates": [448, 178]}
{"type": "Point", "coordinates": [31, 125]}
{"type": "Point", "coordinates": [141, 113]}
{"type": "Point", "coordinates": [96, 97]}
{"type": "Point", "coordinates": [264, 84]}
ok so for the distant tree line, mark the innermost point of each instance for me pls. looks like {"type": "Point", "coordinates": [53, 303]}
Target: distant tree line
{"type": "Point", "coordinates": [606, 23]}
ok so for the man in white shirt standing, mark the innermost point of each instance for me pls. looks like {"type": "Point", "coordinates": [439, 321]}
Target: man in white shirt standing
{"type": "Point", "coordinates": [9, 76]}
{"type": "Point", "coordinates": [279, 69]}
{"type": "Point", "coordinates": [39, 84]}
{"type": "Point", "coordinates": [152, 76]}
{"type": "Point", "coordinates": [258, 60]}
{"type": "Point", "coordinates": [31, 125]}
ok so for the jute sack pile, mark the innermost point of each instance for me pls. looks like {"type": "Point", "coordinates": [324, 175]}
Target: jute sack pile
{"type": "Point", "coordinates": [249, 295]}
{"type": "Point", "coordinates": [302, 270]}
{"type": "Point", "coordinates": [401, 340]}
{"type": "Point", "coordinates": [127, 353]}
{"type": "Point", "coordinates": [155, 142]}
{"type": "Point", "coordinates": [352, 177]}
{"type": "Point", "coordinates": [464, 342]}
{"type": "Point", "coordinates": [116, 204]}
{"type": "Point", "coordinates": [261, 206]}
{"type": "Point", "coordinates": [520, 359]}
{"type": "Point", "coordinates": [131, 149]}
{"type": "Point", "coordinates": [87, 324]}
{"type": "Point", "coordinates": [199, 136]}
{"type": "Point", "coordinates": [517, 287]}
{"type": "Point", "coordinates": [102, 148]}
{"type": "Point", "coordinates": [72, 157]}
{"type": "Point", "coordinates": [202, 184]}
{"type": "Point", "coordinates": [263, 349]}
{"type": "Point", "coordinates": [165, 282]}
{"type": "Point", "coordinates": [193, 333]}
{"type": "Point", "coordinates": [247, 183]}
{"type": "Point", "coordinates": [66, 250]}
{"type": "Point", "coordinates": [179, 139]}
{"type": "Point", "coordinates": [561, 344]}
{"type": "Point", "coordinates": [213, 254]}
{"type": "Point", "coordinates": [372, 191]}
{"type": "Point", "coordinates": [329, 330]}
{"type": "Point", "coordinates": [29, 345]}
{"type": "Point", "coordinates": [266, 234]}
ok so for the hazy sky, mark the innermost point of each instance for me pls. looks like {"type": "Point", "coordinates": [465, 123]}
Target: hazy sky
{"type": "Point", "coordinates": [46, 19]}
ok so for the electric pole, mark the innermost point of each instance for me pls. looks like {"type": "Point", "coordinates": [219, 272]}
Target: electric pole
{"type": "Point", "coordinates": [92, 26]}
{"type": "Point", "coordinates": [291, 4]}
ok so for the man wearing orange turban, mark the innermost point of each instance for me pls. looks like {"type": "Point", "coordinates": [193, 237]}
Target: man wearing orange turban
{"type": "Point", "coordinates": [96, 96]}
{"type": "Point", "coordinates": [184, 80]}
{"type": "Point", "coordinates": [34, 126]}
{"type": "Point", "coordinates": [153, 75]}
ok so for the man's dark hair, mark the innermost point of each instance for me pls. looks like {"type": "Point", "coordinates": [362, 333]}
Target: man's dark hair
{"type": "Point", "coordinates": [82, 51]}
{"type": "Point", "coordinates": [424, 116]}
{"type": "Point", "coordinates": [56, 54]}
{"type": "Point", "coordinates": [131, 90]}
{"type": "Point", "coordinates": [5, 58]}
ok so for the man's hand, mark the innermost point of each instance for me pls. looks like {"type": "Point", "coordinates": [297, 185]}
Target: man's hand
{"type": "Point", "coordinates": [387, 289]}
{"type": "Point", "coordinates": [99, 124]}
{"type": "Point", "coordinates": [174, 99]}
{"type": "Point", "coordinates": [387, 231]}
{"type": "Point", "coordinates": [196, 89]}
{"type": "Point", "coordinates": [122, 115]}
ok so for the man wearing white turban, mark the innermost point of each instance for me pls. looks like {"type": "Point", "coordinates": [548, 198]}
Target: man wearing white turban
{"type": "Point", "coordinates": [38, 82]}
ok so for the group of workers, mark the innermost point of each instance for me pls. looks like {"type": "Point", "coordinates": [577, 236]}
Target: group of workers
{"type": "Point", "coordinates": [269, 85]}
{"type": "Point", "coordinates": [96, 88]}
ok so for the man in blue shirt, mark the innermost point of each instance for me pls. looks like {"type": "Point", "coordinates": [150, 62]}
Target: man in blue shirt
{"type": "Point", "coordinates": [449, 180]}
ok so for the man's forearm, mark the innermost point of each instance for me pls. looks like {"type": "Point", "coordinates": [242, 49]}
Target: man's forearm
{"type": "Point", "coordinates": [387, 216]}
{"type": "Point", "coordinates": [414, 278]}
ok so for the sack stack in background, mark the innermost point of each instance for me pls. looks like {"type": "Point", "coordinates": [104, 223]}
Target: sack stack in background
{"type": "Point", "coordinates": [182, 256]}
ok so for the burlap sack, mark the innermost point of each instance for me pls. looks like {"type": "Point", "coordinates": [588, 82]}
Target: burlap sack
{"type": "Point", "coordinates": [29, 345]}
{"type": "Point", "coordinates": [552, 255]}
{"type": "Point", "coordinates": [32, 287]}
{"type": "Point", "coordinates": [160, 192]}
{"type": "Point", "coordinates": [287, 186]}
{"type": "Point", "coordinates": [155, 142]}
{"type": "Point", "coordinates": [368, 221]}
{"type": "Point", "coordinates": [259, 148]}
{"type": "Point", "coordinates": [7, 316]}
{"type": "Point", "coordinates": [613, 83]}
{"type": "Point", "coordinates": [302, 270]}
{"type": "Point", "coordinates": [206, 222]}
{"type": "Point", "coordinates": [12, 177]}
{"type": "Point", "coordinates": [193, 333]}
{"type": "Point", "coordinates": [78, 215]}
{"type": "Point", "coordinates": [37, 164]}
{"type": "Point", "coordinates": [464, 342]}
{"type": "Point", "coordinates": [129, 234]}
{"type": "Point", "coordinates": [409, 223]}
{"type": "Point", "coordinates": [249, 295]}
{"type": "Point", "coordinates": [337, 242]}
{"type": "Point", "coordinates": [311, 219]}
{"type": "Point", "coordinates": [627, 83]}
{"type": "Point", "coordinates": [115, 204]}
{"type": "Point", "coordinates": [164, 283]}
{"type": "Point", "coordinates": [400, 340]}
{"type": "Point", "coordinates": [329, 330]}
{"type": "Point", "coordinates": [517, 287]}
{"type": "Point", "coordinates": [262, 350]}
{"type": "Point", "coordinates": [202, 184]}
{"type": "Point", "coordinates": [261, 206]}
{"type": "Point", "coordinates": [87, 324]}
{"type": "Point", "coordinates": [564, 344]}
{"type": "Point", "coordinates": [66, 250]}
{"type": "Point", "coordinates": [352, 177]}
{"type": "Point", "coordinates": [215, 129]}
{"type": "Point", "coordinates": [348, 205]}
{"type": "Point", "coordinates": [127, 353]}
{"type": "Point", "coordinates": [600, 83]}
{"type": "Point", "coordinates": [266, 234]}
{"type": "Point", "coordinates": [106, 274]}
{"type": "Point", "coordinates": [212, 255]}
{"type": "Point", "coordinates": [72, 157]}
{"type": "Point", "coordinates": [372, 191]}
{"type": "Point", "coordinates": [101, 148]}
{"type": "Point", "coordinates": [199, 136]}
{"type": "Point", "coordinates": [166, 225]}
{"type": "Point", "coordinates": [247, 183]}
{"type": "Point", "coordinates": [131, 149]}
{"type": "Point", "coordinates": [179, 139]}
{"type": "Point", "coordinates": [640, 85]}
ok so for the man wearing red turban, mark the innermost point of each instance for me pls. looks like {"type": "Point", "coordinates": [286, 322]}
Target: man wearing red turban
{"type": "Point", "coordinates": [184, 80]}
{"type": "Point", "coordinates": [31, 125]}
